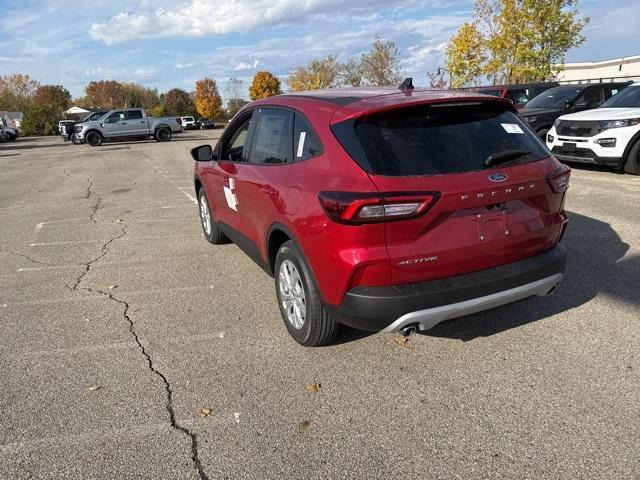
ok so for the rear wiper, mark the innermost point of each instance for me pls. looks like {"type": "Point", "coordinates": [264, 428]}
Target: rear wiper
{"type": "Point", "coordinates": [504, 156]}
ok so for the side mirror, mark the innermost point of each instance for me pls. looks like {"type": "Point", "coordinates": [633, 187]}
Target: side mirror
{"type": "Point", "coordinates": [203, 153]}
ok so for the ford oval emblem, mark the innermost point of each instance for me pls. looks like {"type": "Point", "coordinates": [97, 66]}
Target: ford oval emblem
{"type": "Point", "coordinates": [498, 177]}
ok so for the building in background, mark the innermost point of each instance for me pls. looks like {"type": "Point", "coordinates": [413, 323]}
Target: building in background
{"type": "Point", "coordinates": [625, 68]}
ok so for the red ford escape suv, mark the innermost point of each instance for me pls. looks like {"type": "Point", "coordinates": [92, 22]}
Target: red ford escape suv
{"type": "Point", "coordinates": [386, 210]}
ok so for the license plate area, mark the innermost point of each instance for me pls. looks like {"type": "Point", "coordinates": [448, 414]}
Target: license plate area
{"type": "Point", "coordinates": [569, 147]}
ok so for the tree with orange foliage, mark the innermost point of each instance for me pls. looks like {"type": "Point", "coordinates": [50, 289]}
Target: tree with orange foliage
{"type": "Point", "coordinates": [208, 101]}
{"type": "Point", "coordinates": [265, 84]}
{"type": "Point", "coordinates": [105, 93]}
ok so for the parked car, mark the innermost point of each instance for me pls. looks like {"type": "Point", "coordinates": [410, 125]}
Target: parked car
{"type": "Point", "coordinates": [543, 110]}
{"type": "Point", "coordinates": [3, 135]}
{"type": "Point", "coordinates": [607, 135]}
{"type": "Point", "coordinates": [206, 123]}
{"type": "Point", "coordinates": [9, 133]}
{"type": "Point", "coordinates": [66, 128]}
{"type": "Point", "coordinates": [126, 123]}
{"type": "Point", "coordinates": [520, 94]}
{"type": "Point", "coordinates": [189, 123]}
{"type": "Point", "coordinates": [386, 211]}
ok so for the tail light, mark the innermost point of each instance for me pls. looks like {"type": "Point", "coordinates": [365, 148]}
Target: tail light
{"type": "Point", "coordinates": [179, 120]}
{"type": "Point", "coordinates": [559, 179]}
{"type": "Point", "coordinates": [356, 208]}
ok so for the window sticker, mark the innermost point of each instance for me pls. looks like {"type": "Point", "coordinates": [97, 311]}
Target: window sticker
{"type": "Point", "coordinates": [303, 135]}
{"type": "Point", "coordinates": [512, 128]}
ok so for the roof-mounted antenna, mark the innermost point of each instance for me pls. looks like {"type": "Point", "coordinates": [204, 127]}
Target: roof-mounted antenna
{"type": "Point", "coordinates": [407, 85]}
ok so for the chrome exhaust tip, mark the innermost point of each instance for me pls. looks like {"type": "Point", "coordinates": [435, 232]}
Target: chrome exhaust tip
{"type": "Point", "coordinates": [408, 330]}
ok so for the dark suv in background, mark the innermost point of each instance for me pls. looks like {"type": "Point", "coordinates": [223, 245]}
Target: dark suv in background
{"type": "Point", "coordinates": [543, 110]}
{"type": "Point", "coordinates": [520, 94]}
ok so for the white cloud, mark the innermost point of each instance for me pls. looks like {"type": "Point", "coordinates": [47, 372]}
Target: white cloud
{"type": "Point", "coordinates": [181, 66]}
{"type": "Point", "coordinates": [213, 17]}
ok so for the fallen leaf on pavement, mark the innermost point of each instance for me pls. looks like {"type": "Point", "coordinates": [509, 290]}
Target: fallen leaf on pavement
{"type": "Point", "coordinates": [205, 412]}
{"type": "Point", "coordinates": [111, 287]}
{"type": "Point", "coordinates": [304, 426]}
{"type": "Point", "coordinates": [402, 341]}
{"type": "Point", "coordinates": [93, 388]}
{"type": "Point", "coordinates": [313, 388]}
{"type": "Point", "coordinates": [118, 220]}
{"type": "Point", "coordinates": [237, 417]}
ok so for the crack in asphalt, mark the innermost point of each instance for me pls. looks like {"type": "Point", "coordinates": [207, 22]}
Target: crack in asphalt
{"type": "Point", "coordinates": [88, 192]}
{"type": "Point", "coordinates": [195, 457]}
{"type": "Point", "coordinates": [33, 260]}
{"type": "Point", "coordinates": [94, 210]}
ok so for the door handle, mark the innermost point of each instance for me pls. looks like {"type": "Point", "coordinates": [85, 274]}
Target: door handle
{"type": "Point", "coordinates": [123, 123]}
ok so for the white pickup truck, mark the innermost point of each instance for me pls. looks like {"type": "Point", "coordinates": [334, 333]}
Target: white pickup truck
{"type": "Point", "coordinates": [126, 123]}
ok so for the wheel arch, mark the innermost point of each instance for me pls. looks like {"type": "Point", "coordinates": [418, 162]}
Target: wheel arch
{"type": "Point", "coordinates": [635, 139]}
{"type": "Point", "coordinates": [197, 184]}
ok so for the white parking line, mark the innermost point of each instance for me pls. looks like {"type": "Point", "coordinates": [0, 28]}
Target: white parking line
{"type": "Point", "coordinates": [128, 237]}
{"type": "Point", "coordinates": [165, 174]}
{"type": "Point", "coordinates": [189, 196]}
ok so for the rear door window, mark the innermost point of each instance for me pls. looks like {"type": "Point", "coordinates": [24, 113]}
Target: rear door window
{"type": "Point", "coordinates": [272, 142]}
{"type": "Point", "coordinates": [430, 140]}
{"type": "Point", "coordinates": [134, 114]}
{"type": "Point", "coordinates": [305, 141]}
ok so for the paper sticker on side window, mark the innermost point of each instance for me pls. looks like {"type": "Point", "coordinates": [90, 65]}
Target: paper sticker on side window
{"type": "Point", "coordinates": [303, 135]}
{"type": "Point", "coordinates": [512, 128]}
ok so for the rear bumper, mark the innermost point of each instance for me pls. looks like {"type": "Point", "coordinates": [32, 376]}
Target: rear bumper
{"type": "Point", "coordinates": [431, 302]}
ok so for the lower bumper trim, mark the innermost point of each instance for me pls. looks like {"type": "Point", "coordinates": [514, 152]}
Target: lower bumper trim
{"type": "Point", "coordinates": [430, 317]}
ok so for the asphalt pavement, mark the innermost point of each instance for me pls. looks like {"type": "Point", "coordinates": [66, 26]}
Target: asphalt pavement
{"type": "Point", "coordinates": [132, 348]}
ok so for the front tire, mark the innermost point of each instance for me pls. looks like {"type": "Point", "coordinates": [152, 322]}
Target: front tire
{"type": "Point", "coordinates": [163, 134]}
{"type": "Point", "coordinates": [632, 165]}
{"type": "Point", "coordinates": [299, 299]}
{"type": "Point", "coordinates": [94, 139]}
{"type": "Point", "coordinates": [211, 231]}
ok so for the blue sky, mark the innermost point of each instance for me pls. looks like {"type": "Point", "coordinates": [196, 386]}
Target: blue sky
{"type": "Point", "coordinates": [172, 43]}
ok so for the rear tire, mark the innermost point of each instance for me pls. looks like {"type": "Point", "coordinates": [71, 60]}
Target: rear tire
{"type": "Point", "coordinates": [209, 227]}
{"type": "Point", "coordinates": [299, 299]}
{"type": "Point", "coordinates": [163, 134]}
{"type": "Point", "coordinates": [94, 139]}
{"type": "Point", "coordinates": [632, 165]}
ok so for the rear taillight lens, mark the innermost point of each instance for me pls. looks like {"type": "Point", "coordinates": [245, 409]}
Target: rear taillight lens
{"type": "Point", "coordinates": [355, 208]}
{"type": "Point", "coordinates": [179, 120]}
{"type": "Point", "coordinates": [559, 179]}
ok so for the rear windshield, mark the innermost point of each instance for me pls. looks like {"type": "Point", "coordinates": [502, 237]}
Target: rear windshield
{"type": "Point", "coordinates": [555, 98]}
{"type": "Point", "coordinates": [627, 98]}
{"type": "Point", "coordinates": [430, 140]}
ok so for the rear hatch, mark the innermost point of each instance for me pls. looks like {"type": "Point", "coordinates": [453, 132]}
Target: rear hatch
{"type": "Point", "coordinates": [476, 213]}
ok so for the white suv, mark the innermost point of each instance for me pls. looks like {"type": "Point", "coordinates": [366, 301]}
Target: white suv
{"type": "Point", "coordinates": [189, 123]}
{"type": "Point", "coordinates": [607, 135]}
